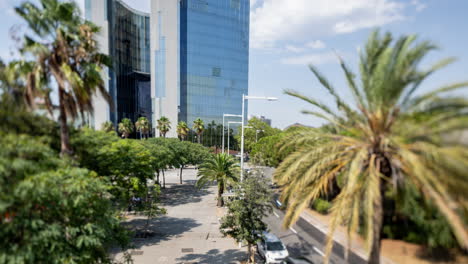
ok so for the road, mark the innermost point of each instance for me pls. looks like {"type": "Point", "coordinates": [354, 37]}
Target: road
{"type": "Point", "coordinates": [303, 239]}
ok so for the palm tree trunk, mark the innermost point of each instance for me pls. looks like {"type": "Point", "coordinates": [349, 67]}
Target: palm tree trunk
{"type": "Point", "coordinates": [199, 138]}
{"type": "Point", "coordinates": [374, 255]}
{"type": "Point", "coordinates": [65, 148]}
{"type": "Point", "coordinates": [220, 194]}
{"type": "Point", "coordinates": [251, 253]}
{"type": "Point", "coordinates": [181, 168]}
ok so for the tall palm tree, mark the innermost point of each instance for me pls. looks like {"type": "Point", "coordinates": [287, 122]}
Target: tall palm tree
{"type": "Point", "coordinates": [164, 125]}
{"type": "Point", "coordinates": [182, 130]}
{"type": "Point", "coordinates": [221, 168]}
{"type": "Point", "coordinates": [107, 126]}
{"type": "Point", "coordinates": [199, 127]}
{"type": "Point", "coordinates": [142, 125]}
{"type": "Point", "coordinates": [390, 138]}
{"type": "Point", "coordinates": [63, 51]}
{"type": "Point", "coordinates": [126, 127]}
{"type": "Point", "coordinates": [211, 127]}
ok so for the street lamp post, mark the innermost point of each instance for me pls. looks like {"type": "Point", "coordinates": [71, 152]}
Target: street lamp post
{"type": "Point", "coordinates": [230, 122]}
{"type": "Point", "coordinates": [228, 115]}
{"type": "Point", "coordinates": [247, 97]}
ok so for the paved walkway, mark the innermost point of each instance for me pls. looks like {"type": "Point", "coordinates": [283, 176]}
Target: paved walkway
{"type": "Point", "coordinates": [189, 232]}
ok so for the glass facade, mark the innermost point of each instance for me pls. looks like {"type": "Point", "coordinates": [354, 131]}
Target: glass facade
{"type": "Point", "coordinates": [214, 54]}
{"type": "Point", "coordinates": [129, 49]}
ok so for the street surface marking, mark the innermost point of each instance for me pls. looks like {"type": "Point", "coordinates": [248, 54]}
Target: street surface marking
{"type": "Point", "coordinates": [318, 251]}
{"type": "Point", "coordinates": [276, 214]}
{"type": "Point", "coordinates": [294, 231]}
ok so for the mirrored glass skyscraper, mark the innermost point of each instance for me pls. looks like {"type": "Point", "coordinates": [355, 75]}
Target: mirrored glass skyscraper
{"type": "Point", "coordinates": [185, 59]}
{"type": "Point", "coordinates": [214, 44]}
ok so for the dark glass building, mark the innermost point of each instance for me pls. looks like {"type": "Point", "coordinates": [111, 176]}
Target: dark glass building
{"type": "Point", "coordinates": [129, 49]}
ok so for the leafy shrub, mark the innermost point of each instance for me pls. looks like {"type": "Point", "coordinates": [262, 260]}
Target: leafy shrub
{"type": "Point", "coordinates": [321, 206]}
{"type": "Point", "coordinates": [49, 211]}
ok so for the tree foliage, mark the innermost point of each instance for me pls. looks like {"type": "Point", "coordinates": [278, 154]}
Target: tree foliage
{"type": "Point", "coordinates": [126, 127]}
{"type": "Point", "coordinates": [164, 125]}
{"type": "Point", "coordinates": [258, 129]}
{"type": "Point", "coordinates": [390, 137]}
{"type": "Point", "coordinates": [143, 126]}
{"type": "Point", "coordinates": [220, 168]}
{"type": "Point", "coordinates": [182, 130]}
{"type": "Point", "coordinates": [50, 212]}
{"type": "Point", "coordinates": [107, 126]}
{"type": "Point", "coordinates": [244, 219]}
{"type": "Point", "coordinates": [128, 166]}
{"type": "Point", "coordinates": [63, 50]}
{"type": "Point", "coordinates": [198, 127]}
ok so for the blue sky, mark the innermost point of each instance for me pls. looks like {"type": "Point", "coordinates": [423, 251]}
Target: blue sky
{"type": "Point", "coordinates": [287, 35]}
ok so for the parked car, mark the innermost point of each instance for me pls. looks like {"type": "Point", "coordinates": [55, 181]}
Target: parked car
{"type": "Point", "coordinates": [272, 249]}
{"type": "Point", "coordinates": [300, 260]}
{"type": "Point", "coordinates": [277, 203]}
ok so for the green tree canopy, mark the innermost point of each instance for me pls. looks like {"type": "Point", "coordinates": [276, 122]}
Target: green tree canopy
{"type": "Point", "coordinates": [87, 144]}
{"type": "Point", "coordinates": [258, 129]}
{"type": "Point", "coordinates": [50, 212]}
{"type": "Point", "coordinates": [244, 220]}
{"type": "Point", "coordinates": [128, 166]}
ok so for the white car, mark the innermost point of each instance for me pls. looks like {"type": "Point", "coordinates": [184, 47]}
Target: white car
{"type": "Point", "coordinates": [272, 249]}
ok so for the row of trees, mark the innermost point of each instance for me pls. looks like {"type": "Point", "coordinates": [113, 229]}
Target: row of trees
{"type": "Point", "coordinates": [210, 136]}
{"type": "Point", "coordinates": [67, 208]}
{"type": "Point", "coordinates": [391, 162]}
{"type": "Point", "coordinates": [44, 197]}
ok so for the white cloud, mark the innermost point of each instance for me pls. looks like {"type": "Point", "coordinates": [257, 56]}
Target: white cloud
{"type": "Point", "coordinates": [294, 49]}
{"type": "Point", "coordinates": [314, 58]}
{"type": "Point", "coordinates": [418, 5]}
{"type": "Point", "coordinates": [275, 21]}
{"type": "Point", "coordinates": [316, 44]}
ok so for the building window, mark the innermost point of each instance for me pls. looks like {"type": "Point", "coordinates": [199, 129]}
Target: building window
{"type": "Point", "coordinates": [235, 4]}
{"type": "Point", "coordinates": [216, 72]}
{"type": "Point", "coordinates": [88, 10]}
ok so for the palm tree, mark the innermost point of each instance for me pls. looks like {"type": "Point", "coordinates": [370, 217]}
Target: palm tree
{"type": "Point", "coordinates": [199, 127]}
{"type": "Point", "coordinates": [221, 168]}
{"type": "Point", "coordinates": [164, 125]}
{"type": "Point", "coordinates": [143, 126]}
{"type": "Point", "coordinates": [62, 47]}
{"type": "Point", "coordinates": [107, 126]}
{"type": "Point", "coordinates": [390, 139]}
{"type": "Point", "coordinates": [126, 127]}
{"type": "Point", "coordinates": [182, 130]}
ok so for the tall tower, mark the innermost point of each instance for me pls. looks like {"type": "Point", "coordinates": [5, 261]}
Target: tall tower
{"type": "Point", "coordinates": [125, 37]}
{"type": "Point", "coordinates": [165, 61]}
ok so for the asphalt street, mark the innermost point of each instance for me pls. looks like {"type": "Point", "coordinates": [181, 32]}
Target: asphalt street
{"type": "Point", "coordinates": [305, 240]}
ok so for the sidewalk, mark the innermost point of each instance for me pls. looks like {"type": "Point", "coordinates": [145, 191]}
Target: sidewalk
{"type": "Point", "coordinates": [189, 232]}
